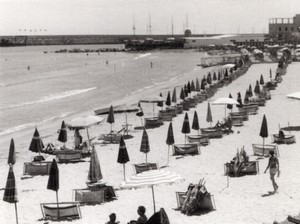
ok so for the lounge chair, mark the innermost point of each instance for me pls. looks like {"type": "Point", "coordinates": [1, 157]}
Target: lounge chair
{"type": "Point", "coordinates": [37, 168]}
{"type": "Point", "coordinates": [212, 132]}
{"type": "Point", "coordinates": [68, 156]}
{"type": "Point", "coordinates": [199, 139]}
{"type": "Point", "coordinates": [185, 149]}
{"type": "Point", "coordinates": [286, 139]}
{"type": "Point", "coordinates": [238, 114]}
{"type": "Point", "coordinates": [159, 217]}
{"type": "Point", "coordinates": [263, 150]}
{"type": "Point", "coordinates": [153, 122]}
{"type": "Point", "coordinates": [66, 211]}
{"type": "Point", "coordinates": [293, 219]}
{"type": "Point", "coordinates": [244, 168]}
{"type": "Point", "coordinates": [249, 108]}
{"type": "Point", "coordinates": [237, 120]}
{"type": "Point", "coordinates": [142, 167]}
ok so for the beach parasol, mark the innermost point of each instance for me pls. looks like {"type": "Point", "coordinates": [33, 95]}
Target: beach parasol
{"type": "Point", "coordinates": [151, 178]}
{"type": "Point", "coordinates": [12, 153]}
{"type": "Point", "coordinates": [95, 169]}
{"type": "Point", "coordinates": [123, 154]}
{"type": "Point", "coordinates": [186, 91]}
{"type": "Point", "coordinates": [215, 76]}
{"type": "Point", "coordinates": [111, 117]}
{"type": "Point", "coordinates": [193, 88]}
{"type": "Point", "coordinates": [185, 126]}
{"type": "Point", "coordinates": [140, 113]}
{"type": "Point", "coordinates": [53, 181]}
{"type": "Point", "coordinates": [202, 84]}
{"type": "Point", "coordinates": [270, 74]}
{"type": "Point", "coordinates": [160, 103]}
{"type": "Point", "coordinates": [229, 106]}
{"type": "Point", "coordinates": [261, 81]}
{"type": "Point", "coordinates": [239, 99]}
{"type": "Point", "coordinates": [197, 88]}
{"type": "Point", "coordinates": [264, 131]}
{"type": "Point", "coordinates": [209, 115]}
{"type": "Point", "coordinates": [209, 79]}
{"type": "Point", "coordinates": [182, 94]}
{"type": "Point", "coordinates": [153, 100]}
{"type": "Point", "coordinates": [189, 87]}
{"type": "Point", "coordinates": [246, 98]}
{"type": "Point", "coordinates": [170, 140]}
{"type": "Point", "coordinates": [226, 73]}
{"type": "Point", "coordinates": [257, 88]}
{"type": "Point", "coordinates": [36, 144]}
{"type": "Point", "coordinates": [145, 147]}
{"type": "Point", "coordinates": [250, 93]}
{"type": "Point", "coordinates": [85, 122]}
{"type": "Point", "coordinates": [10, 191]}
{"type": "Point", "coordinates": [219, 75]}
{"type": "Point", "coordinates": [168, 100]}
{"type": "Point", "coordinates": [295, 95]}
{"type": "Point", "coordinates": [225, 101]}
{"type": "Point", "coordinates": [174, 96]}
{"type": "Point", "coordinates": [195, 124]}
{"type": "Point", "coordinates": [62, 136]}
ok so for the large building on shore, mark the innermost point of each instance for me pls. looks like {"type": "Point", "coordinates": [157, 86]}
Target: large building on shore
{"type": "Point", "coordinates": [287, 29]}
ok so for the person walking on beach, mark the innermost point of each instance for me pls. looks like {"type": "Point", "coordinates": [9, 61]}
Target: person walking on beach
{"type": "Point", "coordinates": [274, 168]}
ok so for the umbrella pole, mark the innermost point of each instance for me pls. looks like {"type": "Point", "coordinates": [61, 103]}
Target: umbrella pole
{"type": "Point", "coordinates": [184, 138]}
{"type": "Point", "coordinates": [57, 205]}
{"type": "Point", "coordinates": [263, 146]}
{"type": "Point", "coordinates": [225, 112]}
{"type": "Point", "coordinates": [16, 213]}
{"type": "Point", "coordinates": [146, 159]}
{"type": "Point", "coordinates": [88, 136]}
{"type": "Point", "coordinates": [153, 198]}
{"type": "Point", "coordinates": [124, 170]}
{"type": "Point", "coordinates": [168, 155]}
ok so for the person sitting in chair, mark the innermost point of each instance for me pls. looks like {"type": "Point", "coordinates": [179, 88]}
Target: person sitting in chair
{"type": "Point", "coordinates": [281, 136]}
{"type": "Point", "coordinates": [143, 218]}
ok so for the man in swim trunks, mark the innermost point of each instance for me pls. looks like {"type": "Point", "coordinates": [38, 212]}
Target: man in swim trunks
{"type": "Point", "coordinates": [274, 168]}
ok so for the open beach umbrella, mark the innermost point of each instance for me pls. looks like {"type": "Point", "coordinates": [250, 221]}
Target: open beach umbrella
{"type": "Point", "coordinates": [62, 136]}
{"type": "Point", "coordinates": [95, 169]}
{"type": "Point", "coordinates": [295, 95]}
{"type": "Point", "coordinates": [85, 122]}
{"type": "Point", "coordinates": [36, 144]}
{"type": "Point", "coordinates": [111, 117]}
{"type": "Point", "coordinates": [182, 94]}
{"type": "Point", "coordinates": [250, 93]}
{"type": "Point", "coordinates": [150, 179]}
{"type": "Point", "coordinates": [229, 106]}
{"type": "Point", "coordinates": [53, 181]}
{"type": "Point", "coordinates": [261, 81]}
{"type": "Point", "coordinates": [209, 115]}
{"type": "Point", "coordinates": [257, 88]}
{"type": "Point", "coordinates": [160, 103]}
{"type": "Point", "coordinates": [153, 100]}
{"type": "Point", "coordinates": [123, 154]}
{"type": "Point", "coordinates": [239, 99]}
{"type": "Point", "coordinates": [195, 124]}
{"type": "Point", "coordinates": [225, 101]}
{"type": "Point", "coordinates": [145, 147]}
{"type": "Point", "coordinates": [10, 191]}
{"type": "Point", "coordinates": [174, 96]}
{"type": "Point", "coordinates": [170, 140]}
{"type": "Point", "coordinates": [197, 85]}
{"type": "Point", "coordinates": [264, 131]}
{"type": "Point", "coordinates": [168, 100]}
{"type": "Point", "coordinates": [185, 126]}
{"type": "Point", "coordinates": [12, 153]}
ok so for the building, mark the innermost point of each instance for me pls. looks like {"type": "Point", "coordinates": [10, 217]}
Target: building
{"type": "Point", "coordinates": [287, 29]}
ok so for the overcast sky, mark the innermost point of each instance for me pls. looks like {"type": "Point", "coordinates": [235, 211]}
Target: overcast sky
{"type": "Point", "coordinates": [18, 17]}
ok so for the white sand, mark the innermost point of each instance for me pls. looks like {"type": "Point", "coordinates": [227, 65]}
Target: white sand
{"type": "Point", "coordinates": [240, 203]}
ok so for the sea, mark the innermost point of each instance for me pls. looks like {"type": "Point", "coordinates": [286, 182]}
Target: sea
{"type": "Point", "coordinates": [39, 86]}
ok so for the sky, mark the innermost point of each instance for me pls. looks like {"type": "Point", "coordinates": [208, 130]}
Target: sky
{"type": "Point", "coordinates": [56, 17]}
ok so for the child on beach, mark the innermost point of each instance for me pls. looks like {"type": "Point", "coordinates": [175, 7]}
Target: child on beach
{"type": "Point", "coordinates": [143, 218]}
{"type": "Point", "coordinates": [112, 219]}
{"type": "Point", "coordinates": [274, 168]}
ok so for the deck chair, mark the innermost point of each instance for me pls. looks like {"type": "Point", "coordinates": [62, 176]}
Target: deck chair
{"type": "Point", "coordinates": [37, 168]}
{"type": "Point", "coordinates": [142, 167]}
{"type": "Point", "coordinates": [208, 203]}
{"type": "Point", "coordinates": [86, 196]}
{"type": "Point", "coordinates": [68, 156]}
{"type": "Point", "coordinates": [185, 149]}
{"type": "Point", "coordinates": [159, 217]}
{"type": "Point", "coordinates": [66, 211]}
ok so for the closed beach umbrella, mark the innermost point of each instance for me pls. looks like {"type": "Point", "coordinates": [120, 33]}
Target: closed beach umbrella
{"type": "Point", "coordinates": [257, 88]}
{"type": "Point", "coordinates": [215, 76]}
{"type": "Point", "coordinates": [250, 91]}
{"type": "Point", "coordinates": [197, 85]}
{"type": "Point", "coordinates": [202, 84]}
{"type": "Point", "coordinates": [123, 154]}
{"type": "Point", "coordinates": [193, 86]}
{"type": "Point", "coordinates": [62, 136]}
{"type": "Point", "coordinates": [239, 99]}
{"type": "Point", "coordinates": [168, 101]}
{"type": "Point", "coordinates": [95, 169]}
{"type": "Point", "coordinates": [140, 113]}
{"type": "Point", "coordinates": [182, 94]}
{"type": "Point", "coordinates": [189, 87]}
{"type": "Point", "coordinates": [12, 153]}
{"type": "Point", "coordinates": [261, 81]}
{"type": "Point", "coordinates": [111, 117]}
{"type": "Point", "coordinates": [145, 147]}
{"type": "Point", "coordinates": [229, 106]}
{"type": "Point", "coordinates": [195, 124]}
{"type": "Point", "coordinates": [10, 191]}
{"type": "Point", "coordinates": [270, 74]}
{"type": "Point", "coordinates": [150, 179]}
{"type": "Point", "coordinates": [185, 126]}
{"type": "Point", "coordinates": [174, 96]}
{"type": "Point", "coordinates": [209, 115]}
{"type": "Point", "coordinates": [53, 181]}
{"type": "Point", "coordinates": [246, 98]}
{"type": "Point", "coordinates": [186, 91]}
{"type": "Point", "coordinates": [264, 131]}
{"type": "Point", "coordinates": [36, 144]}
{"type": "Point", "coordinates": [160, 103]}
{"type": "Point", "coordinates": [226, 73]}
{"type": "Point", "coordinates": [170, 139]}
{"type": "Point", "coordinates": [219, 75]}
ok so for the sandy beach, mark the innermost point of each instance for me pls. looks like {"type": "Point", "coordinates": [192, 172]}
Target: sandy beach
{"type": "Point", "coordinates": [240, 203]}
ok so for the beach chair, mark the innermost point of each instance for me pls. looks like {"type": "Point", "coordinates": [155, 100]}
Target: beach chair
{"type": "Point", "coordinates": [142, 167]}
{"type": "Point", "coordinates": [198, 139]}
{"type": "Point", "coordinates": [287, 139]}
{"type": "Point", "coordinates": [245, 168]}
{"type": "Point", "coordinates": [237, 120]}
{"type": "Point", "coordinates": [37, 168]}
{"type": "Point", "coordinates": [68, 156]}
{"type": "Point", "coordinates": [244, 115]}
{"type": "Point", "coordinates": [185, 149]}
{"type": "Point", "coordinates": [159, 217]}
{"type": "Point", "coordinates": [212, 132]}
{"type": "Point", "coordinates": [153, 122]}
{"type": "Point", "coordinates": [263, 150]}
{"type": "Point", "coordinates": [65, 210]}
{"type": "Point", "coordinates": [87, 196]}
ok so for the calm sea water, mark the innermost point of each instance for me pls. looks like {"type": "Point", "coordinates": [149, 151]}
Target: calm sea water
{"type": "Point", "coordinates": [38, 87]}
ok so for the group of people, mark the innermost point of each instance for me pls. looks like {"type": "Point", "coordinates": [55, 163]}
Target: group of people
{"type": "Point", "coordinates": [142, 219]}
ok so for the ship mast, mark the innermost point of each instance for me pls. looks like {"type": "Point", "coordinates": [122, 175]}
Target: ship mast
{"type": "Point", "coordinates": [172, 27]}
{"type": "Point", "coordinates": [133, 26]}
{"type": "Point", "coordinates": [150, 24]}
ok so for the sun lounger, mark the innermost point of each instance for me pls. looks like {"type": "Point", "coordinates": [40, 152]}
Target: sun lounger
{"type": "Point", "coordinates": [142, 167]}
{"type": "Point", "coordinates": [208, 203]}
{"type": "Point", "coordinates": [153, 122]}
{"type": "Point", "coordinates": [263, 150]}
{"type": "Point", "coordinates": [212, 132]}
{"type": "Point", "coordinates": [37, 168]}
{"type": "Point", "coordinates": [199, 139]}
{"type": "Point", "coordinates": [245, 168]}
{"type": "Point", "coordinates": [68, 156]}
{"type": "Point", "coordinates": [66, 211]}
{"type": "Point", "coordinates": [241, 113]}
{"type": "Point", "coordinates": [237, 120]}
{"type": "Point", "coordinates": [179, 108]}
{"type": "Point", "coordinates": [185, 149]}
{"type": "Point", "coordinates": [111, 138]}
{"type": "Point", "coordinates": [288, 139]}
{"type": "Point", "coordinates": [249, 108]}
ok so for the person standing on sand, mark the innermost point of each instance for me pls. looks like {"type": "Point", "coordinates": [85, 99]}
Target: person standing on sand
{"type": "Point", "coordinates": [274, 168]}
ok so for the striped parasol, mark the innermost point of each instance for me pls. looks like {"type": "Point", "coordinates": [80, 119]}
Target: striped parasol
{"type": "Point", "coordinates": [123, 154]}
{"type": "Point", "coordinates": [94, 170]}
{"type": "Point", "coordinates": [36, 144]}
{"type": "Point", "coordinates": [195, 124]}
{"type": "Point", "coordinates": [53, 181]}
{"type": "Point", "coordinates": [12, 153]}
{"type": "Point", "coordinates": [264, 131]}
{"type": "Point", "coordinates": [62, 136]}
{"type": "Point", "coordinates": [185, 126]}
{"type": "Point", "coordinates": [170, 139]}
{"type": "Point", "coordinates": [145, 147]}
{"type": "Point", "coordinates": [151, 178]}
{"type": "Point", "coordinates": [10, 192]}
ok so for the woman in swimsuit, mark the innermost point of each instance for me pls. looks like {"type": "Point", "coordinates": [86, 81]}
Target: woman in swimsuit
{"type": "Point", "coordinates": [274, 168]}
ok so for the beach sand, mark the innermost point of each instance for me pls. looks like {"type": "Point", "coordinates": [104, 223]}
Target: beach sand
{"type": "Point", "coordinates": [241, 202]}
